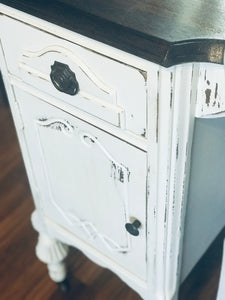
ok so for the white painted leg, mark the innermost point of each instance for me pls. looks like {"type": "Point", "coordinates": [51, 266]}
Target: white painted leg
{"type": "Point", "coordinates": [52, 252]}
{"type": "Point", "coordinates": [49, 250]}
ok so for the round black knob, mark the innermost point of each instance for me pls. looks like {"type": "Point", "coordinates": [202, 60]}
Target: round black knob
{"type": "Point", "coordinates": [64, 79]}
{"type": "Point", "coordinates": [132, 228]}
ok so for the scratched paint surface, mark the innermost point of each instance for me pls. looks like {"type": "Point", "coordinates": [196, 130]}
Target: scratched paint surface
{"type": "Point", "coordinates": [108, 89]}
{"type": "Point", "coordinates": [85, 182]}
{"type": "Point", "coordinates": [89, 179]}
{"type": "Point", "coordinates": [211, 90]}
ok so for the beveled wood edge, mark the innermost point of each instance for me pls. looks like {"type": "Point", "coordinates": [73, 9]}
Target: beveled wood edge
{"type": "Point", "coordinates": [198, 50]}
{"type": "Point", "coordinates": [151, 48]}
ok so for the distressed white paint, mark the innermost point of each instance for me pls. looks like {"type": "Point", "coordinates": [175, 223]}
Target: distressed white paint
{"type": "Point", "coordinates": [169, 155]}
{"type": "Point", "coordinates": [122, 134]}
{"type": "Point", "coordinates": [75, 59]}
{"type": "Point", "coordinates": [211, 90]}
{"type": "Point", "coordinates": [67, 237]}
{"type": "Point", "coordinates": [75, 165]}
{"type": "Point", "coordinates": [90, 170]}
{"type": "Point", "coordinates": [108, 88]}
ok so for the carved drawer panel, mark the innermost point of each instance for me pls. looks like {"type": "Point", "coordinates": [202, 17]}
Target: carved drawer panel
{"type": "Point", "coordinates": [104, 88]}
{"type": "Point", "coordinates": [88, 181]}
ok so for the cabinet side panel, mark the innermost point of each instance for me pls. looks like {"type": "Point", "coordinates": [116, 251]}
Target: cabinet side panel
{"type": "Point", "coordinates": [206, 205]}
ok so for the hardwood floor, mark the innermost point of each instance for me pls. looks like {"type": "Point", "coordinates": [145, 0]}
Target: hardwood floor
{"type": "Point", "coordinates": [23, 277]}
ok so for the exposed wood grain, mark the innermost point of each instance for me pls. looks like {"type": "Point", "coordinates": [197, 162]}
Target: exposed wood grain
{"type": "Point", "coordinates": [169, 20]}
{"type": "Point", "coordinates": [166, 32]}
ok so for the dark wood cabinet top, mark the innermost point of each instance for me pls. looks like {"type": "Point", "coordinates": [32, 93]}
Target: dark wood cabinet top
{"type": "Point", "coordinates": [165, 32]}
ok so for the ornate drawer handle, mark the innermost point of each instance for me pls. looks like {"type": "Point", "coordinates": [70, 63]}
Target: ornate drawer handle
{"type": "Point", "coordinates": [64, 79]}
{"type": "Point", "coordinates": [132, 228]}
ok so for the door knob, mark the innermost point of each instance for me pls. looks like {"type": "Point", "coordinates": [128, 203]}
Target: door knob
{"type": "Point", "coordinates": [132, 228]}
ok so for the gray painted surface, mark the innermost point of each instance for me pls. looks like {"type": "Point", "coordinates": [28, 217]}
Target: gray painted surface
{"type": "Point", "coordinates": [206, 201]}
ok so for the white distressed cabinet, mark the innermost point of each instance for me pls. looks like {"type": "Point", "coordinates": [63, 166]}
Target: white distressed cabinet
{"type": "Point", "coordinates": [78, 164]}
{"type": "Point", "coordinates": [116, 152]}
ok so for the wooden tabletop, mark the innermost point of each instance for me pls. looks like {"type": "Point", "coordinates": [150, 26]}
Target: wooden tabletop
{"type": "Point", "coordinates": [166, 32]}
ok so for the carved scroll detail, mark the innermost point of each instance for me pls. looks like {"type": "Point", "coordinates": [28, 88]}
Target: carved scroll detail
{"type": "Point", "coordinates": [74, 58]}
{"type": "Point", "coordinates": [57, 124]}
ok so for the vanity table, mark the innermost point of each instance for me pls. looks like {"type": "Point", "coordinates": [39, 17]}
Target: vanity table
{"type": "Point", "coordinates": [119, 110]}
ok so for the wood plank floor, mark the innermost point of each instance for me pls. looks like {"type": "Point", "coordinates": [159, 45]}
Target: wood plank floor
{"type": "Point", "coordinates": [22, 276]}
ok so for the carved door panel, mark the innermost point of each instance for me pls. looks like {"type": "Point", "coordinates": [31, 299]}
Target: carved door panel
{"type": "Point", "coordinates": [88, 181]}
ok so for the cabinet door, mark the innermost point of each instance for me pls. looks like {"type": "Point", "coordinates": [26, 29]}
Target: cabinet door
{"type": "Point", "coordinates": [89, 182]}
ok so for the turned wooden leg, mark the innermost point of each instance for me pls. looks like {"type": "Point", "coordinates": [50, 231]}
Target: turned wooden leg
{"type": "Point", "coordinates": [52, 252]}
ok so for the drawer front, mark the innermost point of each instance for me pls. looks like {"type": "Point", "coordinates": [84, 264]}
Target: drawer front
{"type": "Point", "coordinates": [88, 181]}
{"type": "Point", "coordinates": [106, 89]}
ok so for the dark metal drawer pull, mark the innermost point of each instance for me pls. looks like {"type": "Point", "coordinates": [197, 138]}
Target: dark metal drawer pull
{"type": "Point", "coordinates": [64, 79]}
